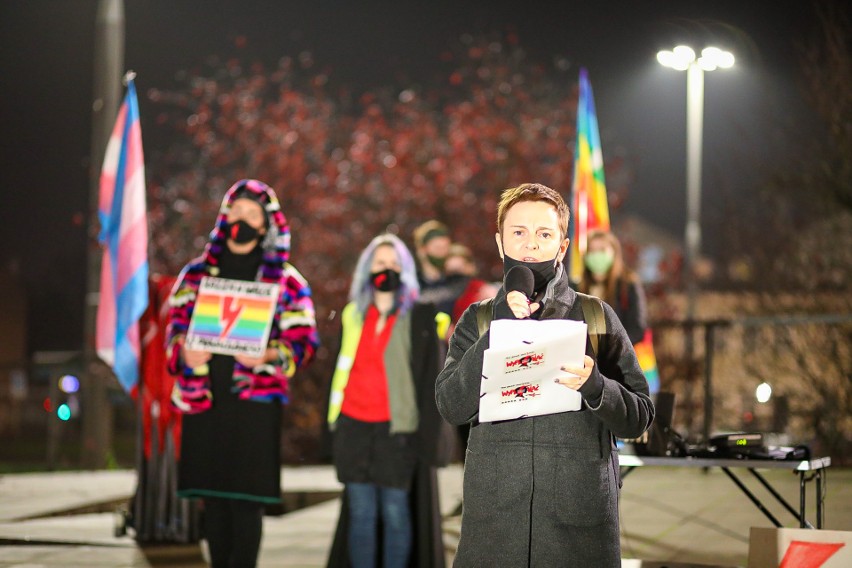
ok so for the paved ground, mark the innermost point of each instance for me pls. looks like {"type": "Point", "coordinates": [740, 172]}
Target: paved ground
{"type": "Point", "coordinates": [673, 517]}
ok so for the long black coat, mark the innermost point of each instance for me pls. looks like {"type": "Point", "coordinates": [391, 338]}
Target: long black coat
{"type": "Point", "coordinates": [543, 491]}
{"type": "Point", "coordinates": [630, 309]}
{"type": "Point", "coordinates": [427, 354]}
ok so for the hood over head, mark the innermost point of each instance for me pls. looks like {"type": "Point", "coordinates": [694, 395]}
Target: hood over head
{"type": "Point", "coordinates": [276, 242]}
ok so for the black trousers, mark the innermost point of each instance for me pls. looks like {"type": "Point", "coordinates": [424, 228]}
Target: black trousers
{"type": "Point", "coordinates": [233, 528]}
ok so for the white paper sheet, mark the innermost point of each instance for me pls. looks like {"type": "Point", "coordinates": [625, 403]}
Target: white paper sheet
{"type": "Point", "coordinates": [519, 368]}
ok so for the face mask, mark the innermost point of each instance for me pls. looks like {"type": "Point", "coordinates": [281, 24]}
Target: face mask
{"type": "Point", "coordinates": [387, 280]}
{"type": "Point", "coordinates": [437, 261]}
{"type": "Point", "coordinates": [599, 262]}
{"type": "Point", "coordinates": [543, 272]}
{"type": "Point", "coordinates": [241, 232]}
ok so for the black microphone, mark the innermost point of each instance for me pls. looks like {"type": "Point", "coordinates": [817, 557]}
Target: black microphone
{"type": "Point", "coordinates": [519, 278]}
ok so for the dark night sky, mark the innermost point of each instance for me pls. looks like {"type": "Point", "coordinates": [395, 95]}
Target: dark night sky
{"type": "Point", "coordinates": [46, 54]}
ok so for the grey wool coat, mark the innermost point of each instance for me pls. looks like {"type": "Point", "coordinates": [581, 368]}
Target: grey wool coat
{"type": "Point", "coordinates": [543, 491]}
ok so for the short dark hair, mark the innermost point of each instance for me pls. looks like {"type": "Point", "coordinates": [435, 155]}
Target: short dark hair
{"type": "Point", "coordinates": [429, 230]}
{"type": "Point", "coordinates": [533, 192]}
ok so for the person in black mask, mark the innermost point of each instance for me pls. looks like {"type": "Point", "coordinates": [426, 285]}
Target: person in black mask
{"type": "Point", "coordinates": [383, 416]}
{"type": "Point", "coordinates": [232, 404]}
{"type": "Point", "coordinates": [432, 246]}
{"type": "Point", "coordinates": [543, 490]}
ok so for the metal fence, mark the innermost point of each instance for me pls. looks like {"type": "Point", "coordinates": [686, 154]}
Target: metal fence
{"type": "Point", "coordinates": [714, 366]}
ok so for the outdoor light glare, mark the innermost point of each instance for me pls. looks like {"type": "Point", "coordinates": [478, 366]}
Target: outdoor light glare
{"type": "Point", "coordinates": [69, 384]}
{"type": "Point", "coordinates": [666, 58]}
{"type": "Point", "coordinates": [63, 412]}
{"type": "Point", "coordinates": [713, 58]}
{"type": "Point", "coordinates": [763, 392]}
{"type": "Point", "coordinates": [684, 53]}
{"type": "Point", "coordinates": [682, 56]}
{"type": "Point", "coordinates": [706, 64]}
{"type": "Point", "coordinates": [679, 58]}
{"type": "Point", "coordinates": [720, 58]}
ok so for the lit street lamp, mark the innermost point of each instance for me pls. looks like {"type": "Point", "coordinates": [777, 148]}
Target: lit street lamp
{"type": "Point", "coordinates": [682, 58]}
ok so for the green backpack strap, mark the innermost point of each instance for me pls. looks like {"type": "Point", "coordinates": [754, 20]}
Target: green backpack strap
{"type": "Point", "coordinates": [484, 315]}
{"type": "Point", "coordinates": [594, 315]}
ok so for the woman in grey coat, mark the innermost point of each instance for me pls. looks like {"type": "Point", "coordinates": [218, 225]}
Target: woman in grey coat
{"type": "Point", "coordinates": [543, 491]}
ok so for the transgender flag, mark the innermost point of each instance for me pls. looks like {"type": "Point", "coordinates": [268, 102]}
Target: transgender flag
{"type": "Point", "coordinates": [124, 237]}
{"type": "Point", "coordinates": [589, 208]}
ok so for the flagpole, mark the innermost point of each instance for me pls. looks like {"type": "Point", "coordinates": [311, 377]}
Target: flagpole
{"type": "Point", "coordinates": [108, 65]}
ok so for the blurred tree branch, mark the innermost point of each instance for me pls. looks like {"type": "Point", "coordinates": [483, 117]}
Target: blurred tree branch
{"type": "Point", "coordinates": [827, 71]}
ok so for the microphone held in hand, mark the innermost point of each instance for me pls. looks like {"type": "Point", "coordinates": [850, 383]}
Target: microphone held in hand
{"type": "Point", "coordinates": [519, 279]}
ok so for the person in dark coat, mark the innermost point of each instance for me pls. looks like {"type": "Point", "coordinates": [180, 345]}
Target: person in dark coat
{"type": "Point", "coordinates": [461, 264]}
{"type": "Point", "coordinates": [606, 276]}
{"type": "Point", "coordinates": [383, 416]}
{"type": "Point", "coordinates": [543, 490]}
{"type": "Point", "coordinates": [431, 248]}
{"type": "Point", "coordinates": [231, 436]}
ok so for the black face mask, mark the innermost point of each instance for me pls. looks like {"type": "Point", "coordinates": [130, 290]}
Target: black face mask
{"type": "Point", "coordinates": [241, 232]}
{"type": "Point", "coordinates": [543, 272]}
{"type": "Point", "coordinates": [386, 281]}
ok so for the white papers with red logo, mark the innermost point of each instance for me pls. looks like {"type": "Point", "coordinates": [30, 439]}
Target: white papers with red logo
{"type": "Point", "coordinates": [521, 364]}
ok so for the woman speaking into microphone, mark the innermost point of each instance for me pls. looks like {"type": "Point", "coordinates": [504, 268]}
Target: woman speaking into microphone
{"type": "Point", "coordinates": [542, 490]}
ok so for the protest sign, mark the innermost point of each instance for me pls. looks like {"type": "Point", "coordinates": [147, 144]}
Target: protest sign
{"type": "Point", "coordinates": [232, 317]}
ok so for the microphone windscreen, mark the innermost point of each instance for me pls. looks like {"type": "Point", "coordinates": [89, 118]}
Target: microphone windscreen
{"type": "Point", "coordinates": [520, 279]}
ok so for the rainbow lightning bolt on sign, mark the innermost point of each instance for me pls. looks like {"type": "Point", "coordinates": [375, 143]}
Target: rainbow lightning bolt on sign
{"type": "Point", "coordinates": [232, 317]}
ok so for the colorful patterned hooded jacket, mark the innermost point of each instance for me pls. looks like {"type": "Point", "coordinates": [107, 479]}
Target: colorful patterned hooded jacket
{"type": "Point", "coordinates": [293, 332]}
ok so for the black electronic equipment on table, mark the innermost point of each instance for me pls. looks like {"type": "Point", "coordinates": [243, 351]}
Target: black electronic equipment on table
{"type": "Point", "coordinates": [661, 439]}
{"type": "Point", "coordinates": [738, 443]}
{"type": "Point", "coordinates": [753, 446]}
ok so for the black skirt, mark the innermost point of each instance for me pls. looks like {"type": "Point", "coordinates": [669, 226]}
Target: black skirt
{"type": "Point", "coordinates": [232, 450]}
{"type": "Point", "coordinates": [366, 452]}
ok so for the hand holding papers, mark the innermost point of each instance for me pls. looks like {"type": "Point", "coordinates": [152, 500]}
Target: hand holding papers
{"type": "Point", "coordinates": [520, 367]}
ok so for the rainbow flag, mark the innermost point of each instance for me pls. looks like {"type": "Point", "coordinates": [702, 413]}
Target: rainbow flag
{"type": "Point", "coordinates": [232, 316]}
{"type": "Point", "coordinates": [589, 208]}
{"type": "Point", "coordinates": [124, 238]}
{"type": "Point", "coordinates": [648, 361]}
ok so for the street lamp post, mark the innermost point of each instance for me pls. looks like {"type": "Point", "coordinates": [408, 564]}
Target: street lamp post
{"type": "Point", "coordinates": [682, 58]}
{"type": "Point", "coordinates": [108, 65]}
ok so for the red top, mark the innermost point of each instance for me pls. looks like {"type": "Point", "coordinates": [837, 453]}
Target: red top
{"type": "Point", "coordinates": [365, 397]}
{"type": "Point", "coordinates": [472, 293]}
